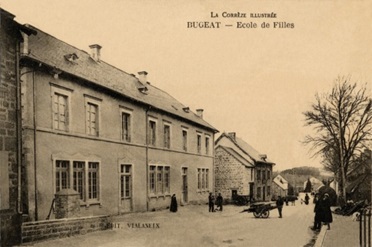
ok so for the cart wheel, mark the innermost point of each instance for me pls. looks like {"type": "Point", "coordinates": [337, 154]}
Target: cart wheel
{"type": "Point", "coordinates": [256, 214]}
{"type": "Point", "coordinates": [265, 214]}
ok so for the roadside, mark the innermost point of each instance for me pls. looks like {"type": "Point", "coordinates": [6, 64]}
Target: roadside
{"type": "Point", "coordinates": [194, 226]}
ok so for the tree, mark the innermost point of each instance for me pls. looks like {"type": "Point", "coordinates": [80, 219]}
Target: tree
{"type": "Point", "coordinates": [342, 120]}
{"type": "Point", "coordinates": [308, 185]}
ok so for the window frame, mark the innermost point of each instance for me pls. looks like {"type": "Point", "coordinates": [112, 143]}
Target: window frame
{"type": "Point", "coordinates": [198, 143]}
{"type": "Point", "coordinates": [91, 100]}
{"type": "Point", "coordinates": [167, 139]}
{"type": "Point", "coordinates": [184, 139]}
{"type": "Point", "coordinates": [158, 187]}
{"type": "Point", "coordinates": [152, 133]}
{"type": "Point", "coordinates": [207, 144]}
{"type": "Point", "coordinates": [56, 89]}
{"type": "Point", "coordinates": [129, 130]}
{"type": "Point", "coordinates": [71, 160]}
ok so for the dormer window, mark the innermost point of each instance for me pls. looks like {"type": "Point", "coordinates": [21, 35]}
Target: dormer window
{"type": "Point", "coordinates": [186, 109]}
{"type": "Point", "coordinates": [143, 89]}
{"type": "Point", "coordinates": [71, 57]}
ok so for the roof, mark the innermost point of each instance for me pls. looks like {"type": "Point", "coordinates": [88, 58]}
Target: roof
{"type": "Point", "coordinates": [281, 182]}
{"type": "Point", "coordinates": [51, 51]}
{"type": "Point", "coordinates": [246, 148]}
{"type": "Point", "coordinates": [237, 156]}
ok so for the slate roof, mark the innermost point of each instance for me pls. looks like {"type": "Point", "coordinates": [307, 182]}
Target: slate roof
{"type": "Point", "coordinates": [51, 51]}
{"type": "Point", "coordinates": [237, 156]}
{"type": "Point", "coordinates": [246, 148]}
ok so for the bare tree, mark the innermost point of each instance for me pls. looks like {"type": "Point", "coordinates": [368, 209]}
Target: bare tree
{"type": "Point", "coordinates": [342, 120]}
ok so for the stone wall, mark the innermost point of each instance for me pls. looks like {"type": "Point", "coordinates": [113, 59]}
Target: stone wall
{"type": "Point", "coordinates": [10, 219]}
{"type": "Point", "coordinates": [60, 228]}
{"type": "Point", "coordinates": [229, 174]}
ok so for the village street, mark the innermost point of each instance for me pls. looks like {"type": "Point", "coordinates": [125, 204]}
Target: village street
{"type": "Point", "coordinates": [195, 226]}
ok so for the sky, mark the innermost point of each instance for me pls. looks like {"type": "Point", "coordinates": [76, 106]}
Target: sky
{"type": "Point", "coordinates": [256, 82]}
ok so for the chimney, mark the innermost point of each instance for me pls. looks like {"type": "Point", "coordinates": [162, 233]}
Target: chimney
{"type": "Point", "coordinates": [95, 52]}
{"type": "Point", "coordinates": [232, 135]}
{"type": "Point", "coordinates": [263, 157]}
{"type": "Point", "coordinates": [142, 77]}
{"type": "Point", "coordinates": [199, 112]}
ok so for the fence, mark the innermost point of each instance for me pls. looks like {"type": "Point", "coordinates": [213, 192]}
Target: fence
{"type": "Point", "coordinates": [365, 227]}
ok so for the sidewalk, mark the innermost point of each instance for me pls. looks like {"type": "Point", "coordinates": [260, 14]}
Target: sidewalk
{"type": "Point", "coordinates": [344, 233]}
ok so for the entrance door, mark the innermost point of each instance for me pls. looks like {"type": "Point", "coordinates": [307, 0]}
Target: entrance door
{"type": "Point", "coordinates": [125, 188]}
{"type": "Point", "coordinates": [184, 184]}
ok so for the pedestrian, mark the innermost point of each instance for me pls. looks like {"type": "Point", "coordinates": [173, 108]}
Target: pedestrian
{"type": "Point", "coordinates": [307, 198]}
{"type": "Point", "coordinates": [325, 205]}
{"type": "Point", "coordinates": [219, 202]}
{"type": "Point", "coordinates": [211, 202]}
{"type": "Point", "coordinates": [173, 205]}
{"type": "Point", "coordinates": [318, 214]}
{"type": "Point", "coordinates": [279, 204]}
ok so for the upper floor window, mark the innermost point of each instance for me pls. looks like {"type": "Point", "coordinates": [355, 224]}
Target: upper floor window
{"type": "Point", "coordinates": [207, 145]}
{"type": "Point", "coordinates": [198, 143]}
{"type": "Point", "coordinates": [126, 119]}
{"type": "Point", "coordinates": [167, 138]}
{"type": "Point", "coordinates": [184, 140]}
{"type": "Point", "coordinates": [60, 111]}
{"type": "Point", "coordinates": [61, 107]}
{"type": "Point", "coordinates": [152, 133]}
{"type": "Point", "coordinates": [258, 174]}
{"type": "Point", "coordinates": [92, 106]}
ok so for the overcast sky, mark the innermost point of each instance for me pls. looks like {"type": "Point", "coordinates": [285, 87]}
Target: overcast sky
{"type": "Point", "coordinates": [255, 82]}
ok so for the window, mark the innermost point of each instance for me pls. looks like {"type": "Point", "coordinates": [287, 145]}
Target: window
{"type": "Point", "coordinates": [92, 119]}
{"type": "Point", "coordinates": [184, 140]}
{"type": "Point", "coordinates": [258, 192]}
{"type": "Point", "coordinates": [62, 175]}
{"type": "Point", "coordinates": [159, 180]}
{"type": "Point", "coordinates": [152, 133]}
{"type": "Point", "coordinates": [198, 142]}
{"type": "Point", "coordinates": [268, 190]}
{"type": "Point", "coordinates": [259, 175]}
{"type": "Point", "coordinates": [126, 181]}
{"type": "Point", "coordinates": [79, 178]}
{"type": "Point", "coordinates": [268, 174]}
{"type": "Point", "coordinates": [93, 180]}
{"type": "Point", "coordinates": [166, 136]}
{"type": "Point", "coordinates": [263, 175]}
{"type": "Point", "coordinates": [82, 176]}
{"type": "Point", "coordinates": [203, 179]}
{"type": "Point", "coordinates": [125, 126]}
{"type": "Point", "coordinates": [92, 106]}
{"type": "Point", "coordinates": [206, 145]}
{"type": "Point", "coordinates": [60, 112]}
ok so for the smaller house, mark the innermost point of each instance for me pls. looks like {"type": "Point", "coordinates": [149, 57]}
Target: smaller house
{"type": "Point", "coordinates": [280, 186]}
{"type": "Point", "coordinates": [315, 183]}
{"type": "Point", "coordinates": [241, 170]}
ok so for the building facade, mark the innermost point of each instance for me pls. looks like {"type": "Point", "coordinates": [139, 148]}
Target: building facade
{"type": "Point", "coordinates": [10, 151]}
{"type": "Point", "coordinates": [241, 170]}
{"type": "Point", "coordinates": [121, 143]}
{"type": "Point", "coordinates": [280, 186]}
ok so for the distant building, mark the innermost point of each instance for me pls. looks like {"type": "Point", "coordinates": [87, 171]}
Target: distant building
{"type": "Point", "coordinates": [241, 170]}
{"type": "Point", "coordinates": [280, 186]}
{"type": "Point", "coordinates": [315, 183]}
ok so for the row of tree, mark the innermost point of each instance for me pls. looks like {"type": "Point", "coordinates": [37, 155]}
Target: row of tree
{"type": "Point", "coordinates": [342, 120]}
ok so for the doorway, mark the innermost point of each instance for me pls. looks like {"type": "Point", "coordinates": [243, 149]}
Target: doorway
{"type": "Point", "coordinates": [184, 185]}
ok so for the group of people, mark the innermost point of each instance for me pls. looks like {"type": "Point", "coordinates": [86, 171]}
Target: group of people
{"type": "Point", "coordinates": [212, 201]}
{"type": "Point", "coordinates": [323, 213]}
{"type": "Point", "coordinates": [322, 210]}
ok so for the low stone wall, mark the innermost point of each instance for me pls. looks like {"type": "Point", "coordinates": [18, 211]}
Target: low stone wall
{"type": "Point", "coordinates": [60, 228]}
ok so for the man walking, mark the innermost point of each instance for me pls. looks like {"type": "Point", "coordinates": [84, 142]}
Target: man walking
{"type": "Point", "coordinates": [211, 202]}
{"type": "Point", "coordinates": [279, 204]}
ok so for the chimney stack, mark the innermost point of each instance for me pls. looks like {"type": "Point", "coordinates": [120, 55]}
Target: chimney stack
{"type": "Point", "coordinates": [232, 135]}
{"type": "Point", "coordinates": [95, 52]}
{"type": "Point", "coordinates": [142, 77]}
{"type": "Point", "coordinates": [199, 112]}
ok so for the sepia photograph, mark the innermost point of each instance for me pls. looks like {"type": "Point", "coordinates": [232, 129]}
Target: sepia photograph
{"type": "Point", "coordinates": [185, 123]}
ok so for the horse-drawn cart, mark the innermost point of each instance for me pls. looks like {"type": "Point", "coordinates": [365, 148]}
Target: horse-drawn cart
{"type": "Point", "coordinates": [260, 209]}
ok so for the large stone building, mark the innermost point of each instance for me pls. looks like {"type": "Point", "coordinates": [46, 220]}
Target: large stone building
{"type": "Point", "coordinates": [10, 142]}
{"type": "Point", "coordinates": [120, 142]}
{"type": "Point", "coordinates": [241, 170]}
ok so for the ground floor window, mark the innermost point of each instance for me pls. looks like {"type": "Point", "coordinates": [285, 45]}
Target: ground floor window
{"type": "Point", "coordinates": [258, 192]}
{"type": "Point", "coordinates": [126, 181]}
{"type": "Point", "coordinates": [203, 179]}
{"type": "Point", "coordinates": [159, 179]}
{"type": "Point", "coordinates": [82, 176]}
